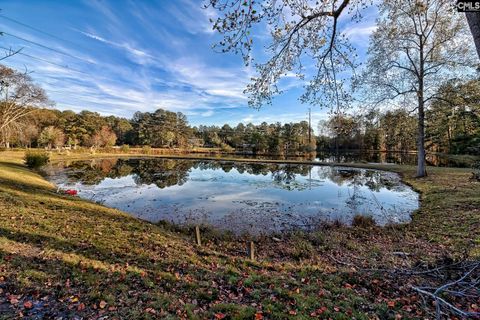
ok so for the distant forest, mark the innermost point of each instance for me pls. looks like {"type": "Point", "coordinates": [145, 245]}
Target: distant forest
{"type": "Point", "coordinates": [52, 128]}
{"type": "Point", "coordinates": [452, 129]}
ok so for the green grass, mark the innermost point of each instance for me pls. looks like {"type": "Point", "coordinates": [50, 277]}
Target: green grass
{"type": "Point", "coordinates": [71, 257]}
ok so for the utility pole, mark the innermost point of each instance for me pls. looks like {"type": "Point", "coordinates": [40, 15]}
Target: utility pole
{"type": "Point", "coordinates": [309, 126]}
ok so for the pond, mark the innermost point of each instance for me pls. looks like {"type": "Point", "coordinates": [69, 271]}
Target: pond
{"type": "Point", "coordinates": [240, 197]}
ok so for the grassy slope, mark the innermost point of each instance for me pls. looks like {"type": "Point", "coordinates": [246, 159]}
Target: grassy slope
{"type": "Point", "coordinates": [65, 256]}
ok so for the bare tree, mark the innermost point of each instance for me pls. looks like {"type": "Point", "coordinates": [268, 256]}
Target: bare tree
{"type": "Point", "coordinates": [418, 45]}
{"type": "Point", "coordinates": [299, 30]}
{"type": "Point", "coordinates": [19, 96]}
{"type": "Point", "coordinates": [9, 52]}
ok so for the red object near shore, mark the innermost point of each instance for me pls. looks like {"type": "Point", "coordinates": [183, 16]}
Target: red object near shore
{"type": "Point", "coordinates": [71, 192]}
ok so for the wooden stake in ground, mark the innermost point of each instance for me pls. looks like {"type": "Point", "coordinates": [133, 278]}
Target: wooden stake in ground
{"type": "Point", "coordinates": [197, 236]}
{"type": "Point", "coordinates": [251, 250]}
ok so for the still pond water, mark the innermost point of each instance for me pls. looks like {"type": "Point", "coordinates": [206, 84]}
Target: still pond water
{"type": "Point", "coordinates": [239, 197]}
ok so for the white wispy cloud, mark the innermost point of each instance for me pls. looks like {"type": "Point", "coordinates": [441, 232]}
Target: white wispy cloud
{"type": "Point", "coordinates": [139, 56]}
{"type": "Point", "coordinates": [223, 82]}
{"type": "Point", "coordinates": [194, 16]}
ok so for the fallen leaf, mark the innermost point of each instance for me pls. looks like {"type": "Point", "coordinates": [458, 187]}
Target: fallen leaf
{"type": "Point", "coordinates": [150, 310]}
{"type": "Point", "coordinates": [220, 315]}
{"type": "Point", "coordinates": [102, 304]}
{"type": "Point", "coordinates": [13, 300]}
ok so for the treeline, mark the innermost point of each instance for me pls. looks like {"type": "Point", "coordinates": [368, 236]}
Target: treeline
{"type": "Point", "coordinates": [452, 125]}
{"type": "Point", "coordinates": [286, 139]}
{"type": "Point", "coordinates": [389, 131]}
{"type": "Point", "coordinates": [53, 128]}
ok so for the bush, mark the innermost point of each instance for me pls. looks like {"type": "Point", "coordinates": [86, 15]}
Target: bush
{"type": "Point", "coordinates": [125, 148]}
{"type": "Point", "coordinates": [108, 149]}
{"type": "Point", "coordinates": [36, 159]}
{"type": "Point", "coordinates": [226, 148]}
{"type": "Point", "coordinates": [363, 221]}
{"type": "Point", "coordinates": [146, 150]}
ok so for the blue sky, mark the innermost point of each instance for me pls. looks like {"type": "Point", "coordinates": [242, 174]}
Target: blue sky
{"type": "Point", "coordinates": [118, 57]}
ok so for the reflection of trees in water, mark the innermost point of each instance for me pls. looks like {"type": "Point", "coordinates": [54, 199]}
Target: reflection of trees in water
{"type": "Point", "coordinates": [284, 176]}
{"type": "Point", "coordinates": [161, 172]}
{"type": "Point", "coordinates": [95, 171]}
{"type": "Point", "coordinates": [169, 172]}
{"type": "Point", "coordinates": [368, 156]}
{"type": "Point", "coordinates": [439, 160]}
{"type": "Point", "coordinates": [373, 179]}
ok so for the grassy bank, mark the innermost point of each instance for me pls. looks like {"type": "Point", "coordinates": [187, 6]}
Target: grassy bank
{"type": "Point", "coordinates": [63, 256]}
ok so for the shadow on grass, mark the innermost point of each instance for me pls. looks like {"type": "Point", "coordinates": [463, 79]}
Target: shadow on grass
{"type": "Point", "coordinates": [88, 250]}
{"type": "Point", "coordinates": [68, 280]}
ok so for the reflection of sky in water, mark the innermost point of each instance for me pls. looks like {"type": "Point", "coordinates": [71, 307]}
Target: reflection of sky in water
{"type": "Point", "coordinates": [246, 202]}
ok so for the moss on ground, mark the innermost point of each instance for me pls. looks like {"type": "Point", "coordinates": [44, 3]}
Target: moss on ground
{"type": "Point", "coordinates": [64, 256]}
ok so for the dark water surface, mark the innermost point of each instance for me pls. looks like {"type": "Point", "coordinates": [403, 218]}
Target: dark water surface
{"type": "Point", "coordinates": [356, 156]}
{"type": "Point", "coordinates": [240, 197]}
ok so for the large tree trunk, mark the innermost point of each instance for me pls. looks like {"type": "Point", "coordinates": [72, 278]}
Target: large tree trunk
{"type": "Point", "coordinates": [473, 19]}
{"type": "Point", "coordinates": [421, 172]}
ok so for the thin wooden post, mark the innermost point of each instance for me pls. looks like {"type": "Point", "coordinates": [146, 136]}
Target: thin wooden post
{"type": "Point", "coordinates": [197, 236]}
{"type": "Point", "coordinates": [251, 250]}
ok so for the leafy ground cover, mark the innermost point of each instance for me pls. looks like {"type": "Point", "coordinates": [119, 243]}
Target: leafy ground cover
{"type": "Point", "coordinates": [61, 256]}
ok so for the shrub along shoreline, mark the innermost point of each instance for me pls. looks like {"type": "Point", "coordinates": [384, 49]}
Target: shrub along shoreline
{"type": "Point", "coordinates": [64, 256]}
